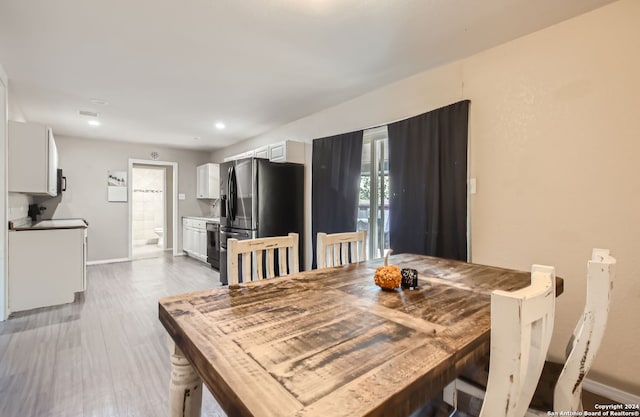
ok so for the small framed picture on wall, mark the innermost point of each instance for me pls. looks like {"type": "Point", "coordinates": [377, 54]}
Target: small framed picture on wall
{"type": "Point", "coordinates": [117, 186]}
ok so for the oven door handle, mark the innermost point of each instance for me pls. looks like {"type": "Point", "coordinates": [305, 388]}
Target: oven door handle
{"type": "Point", "coordinates": [233, 234]}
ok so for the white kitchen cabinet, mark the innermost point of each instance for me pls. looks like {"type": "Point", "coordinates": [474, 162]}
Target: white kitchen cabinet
{"type": "Point", "coordinates": [287, 151]}
{"type": "Point", "coordinates": [194, 238]}
{"type": "Point", "coordinates": [247, 154]}
{"type": "Point", "coordinates": [208, 181]}
{"type": "Point", "coordinates": [186, 237]}
{"type": "Point", "coordinates": [201, 243]}
{"type": "Point", "coordinates": [46, 267]}
{"type": "Point", "coordinates": [33, 159]}
{"type": "Point", "coordinates": [262, 152]}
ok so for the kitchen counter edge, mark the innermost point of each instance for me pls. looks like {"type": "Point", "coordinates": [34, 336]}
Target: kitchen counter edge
{"type": "Point", "coordinates": [207, 219]}
{"type": "Point", "coordinates": [50, 225]}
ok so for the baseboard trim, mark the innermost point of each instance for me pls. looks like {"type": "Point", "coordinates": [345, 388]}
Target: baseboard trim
{"type": "Point", "coordinates": [610, 392]}
{"type": "Point", "coordinates": [108, 261]}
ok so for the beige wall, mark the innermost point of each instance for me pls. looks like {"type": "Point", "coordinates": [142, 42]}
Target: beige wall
{"type": "Point", "coordinates": [85, 163]}
{"type": "Point", "coordinates": [553, 144]}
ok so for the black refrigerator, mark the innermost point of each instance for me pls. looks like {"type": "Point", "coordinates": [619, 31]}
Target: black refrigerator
{"type": "Point", "coordinates": [260, 198]}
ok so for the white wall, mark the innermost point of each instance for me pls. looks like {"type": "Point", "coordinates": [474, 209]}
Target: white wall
{"type": "Point", "coordinates": [18, 206]}
{"type": "Point", "coordinates": [85, 163]}
{"type": "Point", "coordinates": [554, 145]}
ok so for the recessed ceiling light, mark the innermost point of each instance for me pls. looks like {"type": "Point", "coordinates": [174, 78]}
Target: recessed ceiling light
{"type": "Point", "coordinates": [99, 101]}
{"type": "Point", "coordinates": [220, 125]}
{"type": "Point", "coordinates": [196, 138]}
{"type": "Point", "coordinates": [94, 122]}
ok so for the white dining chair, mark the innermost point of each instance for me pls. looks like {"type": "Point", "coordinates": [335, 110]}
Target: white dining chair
{"type": "Point", "coordinates": [566, 380]}
{"type": "Point", "coordinates": [521, 329]}
{"type": "Point", "coordinates": [258, 257]}
{"type": "Point", "coordinates": [338, 249]}
{"type": "Point", "coordinates": [560, 385]}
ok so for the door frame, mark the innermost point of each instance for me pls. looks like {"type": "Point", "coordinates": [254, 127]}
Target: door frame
{"type": "Point", "coordinates": [4, 208]}
{"type": "Point", "coordinates": [174, 196]}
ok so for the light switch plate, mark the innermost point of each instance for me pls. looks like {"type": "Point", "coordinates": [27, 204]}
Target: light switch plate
{"type": "Point", "coordinates": [181, 196]}
{"type": "Point", "coordinates": [472, 186]}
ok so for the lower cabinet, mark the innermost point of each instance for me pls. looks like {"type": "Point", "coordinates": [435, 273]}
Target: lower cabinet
{"type": "Point", "coordinates": [46, 267]}
{"type": "Point", "coordinates": [194, 238]}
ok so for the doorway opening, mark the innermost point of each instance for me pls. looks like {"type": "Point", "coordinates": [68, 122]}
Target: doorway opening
{"type": "Point", "coordinates": [152, 208]}
{"type": "Point", "coordinates": [373, 207]}
{"type": "Point", "coordinates": [148, 200]}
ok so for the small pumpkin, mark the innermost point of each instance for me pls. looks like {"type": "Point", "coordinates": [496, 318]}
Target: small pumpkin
{"type": "Point", "coordinates": [388, 276]}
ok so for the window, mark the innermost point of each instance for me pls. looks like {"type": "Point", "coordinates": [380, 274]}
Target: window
{"type": "Point", "coordinates": [373, 207]}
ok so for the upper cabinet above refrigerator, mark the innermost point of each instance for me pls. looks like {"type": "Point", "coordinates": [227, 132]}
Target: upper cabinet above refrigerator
{"type": "Point", "coordinates": [208, 181]}
{"type": "Point", "coordinates": [33, 159]}
{"type": "Point", "coordinates": [285, 151]}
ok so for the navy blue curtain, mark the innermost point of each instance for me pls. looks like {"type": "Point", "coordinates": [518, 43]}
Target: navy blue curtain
{"type": "Point", "coordinates": [428, 183]}
{"type": "Point", "coordinates": [335, 184]}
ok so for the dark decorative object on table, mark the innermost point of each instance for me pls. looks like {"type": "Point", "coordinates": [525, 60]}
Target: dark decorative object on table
{"type": "Point", "coordinates": [409, 278]}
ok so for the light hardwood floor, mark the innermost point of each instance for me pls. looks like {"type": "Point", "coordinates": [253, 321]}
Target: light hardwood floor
{"type": "Point", "coordinates": [105, 354]}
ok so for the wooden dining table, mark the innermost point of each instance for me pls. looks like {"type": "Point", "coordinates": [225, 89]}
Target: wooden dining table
{"type": "Point", "coordinates": [329, 342]}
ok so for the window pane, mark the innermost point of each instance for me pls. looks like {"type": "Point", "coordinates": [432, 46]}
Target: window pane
{"type": "Point", "coordinates": [373, 209]}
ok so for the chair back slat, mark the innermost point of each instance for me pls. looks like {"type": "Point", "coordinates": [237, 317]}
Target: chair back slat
{"type": "Point", "coordinates": [282, 258]}
{"type": "Point", "coordinates": [335, 255]}
{"type": "Point", "coordinates": [259, 272]}
{"type": "Point", "coordinates": [246, 265]}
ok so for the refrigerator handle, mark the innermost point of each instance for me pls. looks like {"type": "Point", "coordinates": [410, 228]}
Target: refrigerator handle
{"type": "Point", "coordinates": [232, 193]}
{"type": "Point", "coordinates": [229, 197]}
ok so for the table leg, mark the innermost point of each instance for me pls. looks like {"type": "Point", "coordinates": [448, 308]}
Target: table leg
{"type": "Point", "coordinates": [185, 388]}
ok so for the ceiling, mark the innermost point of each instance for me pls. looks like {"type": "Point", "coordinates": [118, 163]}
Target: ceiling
{"type": "Point", "coordinates": [169, 69]}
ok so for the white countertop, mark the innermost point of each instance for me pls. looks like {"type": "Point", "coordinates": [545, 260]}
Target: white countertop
{"type": "Point", "coordinates": [207, 219]}
{"type": "Point", "coordinates": [53, 224]}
